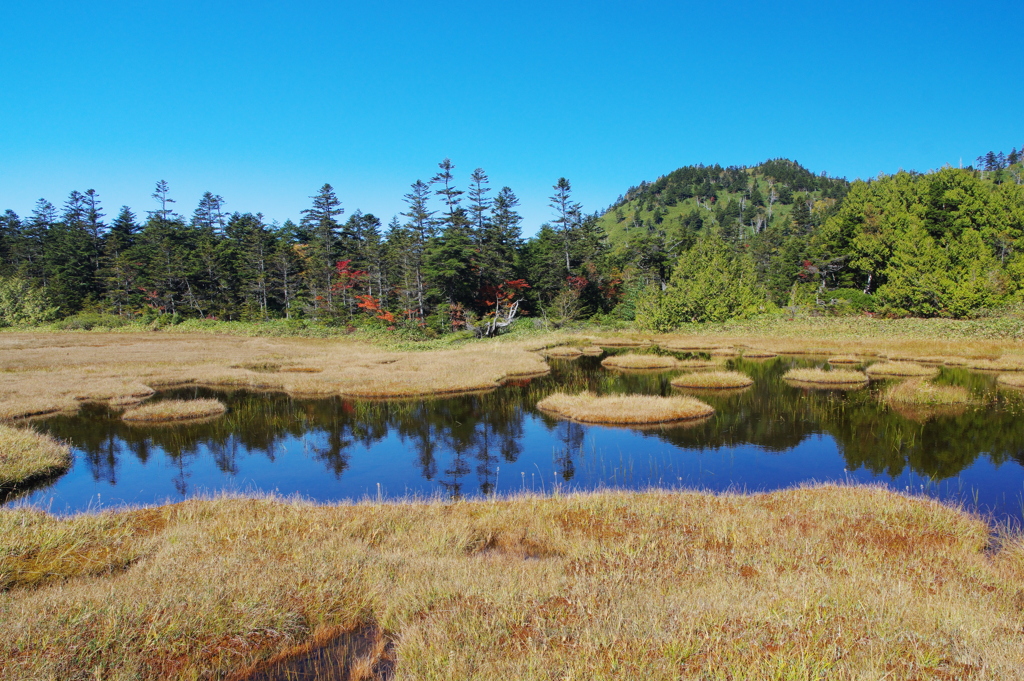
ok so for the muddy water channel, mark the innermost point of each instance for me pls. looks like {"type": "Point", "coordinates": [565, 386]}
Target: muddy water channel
{"type": "Point", "coordinates": [766, 437]}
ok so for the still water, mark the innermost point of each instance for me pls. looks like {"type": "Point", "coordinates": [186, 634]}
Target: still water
{"type": "Point", "coordinates": [770, 436]}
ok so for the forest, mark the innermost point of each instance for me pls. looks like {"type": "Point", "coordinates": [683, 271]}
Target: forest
{"type": "Point", "coordinates": [702, 243]}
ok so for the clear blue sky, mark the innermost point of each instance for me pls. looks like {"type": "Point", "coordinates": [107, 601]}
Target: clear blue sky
{"type": "Point", "coordinates": [263, 102]}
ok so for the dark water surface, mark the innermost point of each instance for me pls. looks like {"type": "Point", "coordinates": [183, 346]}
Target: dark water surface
{"type": "Point", "coordinates": [770, 436]}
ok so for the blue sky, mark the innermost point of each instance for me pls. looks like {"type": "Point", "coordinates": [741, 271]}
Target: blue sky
{"type": "Point", "coordinates": [263, 102]}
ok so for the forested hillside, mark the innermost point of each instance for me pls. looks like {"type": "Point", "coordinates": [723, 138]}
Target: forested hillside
{"type": "Point", "coordinates": [701, 243]}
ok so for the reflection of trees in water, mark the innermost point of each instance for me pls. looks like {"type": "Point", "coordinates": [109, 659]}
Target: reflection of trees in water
{"type": "Point", "coordinates": [571, 435]}
{"type": "Point", "coordinates": [776, 417]}
{"type": "Point", "coordinates": [451, 438]}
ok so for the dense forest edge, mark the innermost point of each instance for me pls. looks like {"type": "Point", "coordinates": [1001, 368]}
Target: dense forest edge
{"type": "Point", "coordinates": [701, 244]}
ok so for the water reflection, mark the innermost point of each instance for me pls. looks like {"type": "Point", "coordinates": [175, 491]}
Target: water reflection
{"type": "Point", "coordinates": [771, 435]}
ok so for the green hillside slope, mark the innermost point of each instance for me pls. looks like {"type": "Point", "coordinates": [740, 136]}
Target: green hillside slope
{"type": "Point", "coordinates": [741, 198]}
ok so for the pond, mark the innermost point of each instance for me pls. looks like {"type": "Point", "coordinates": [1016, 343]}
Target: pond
{"type": "Point", "coordinates": [767, 437]}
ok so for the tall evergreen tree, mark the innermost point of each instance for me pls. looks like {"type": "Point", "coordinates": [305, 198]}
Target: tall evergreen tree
{"type": "Point", "coordinates": [68, 257]}
{"type": "Point", "coordinates": [566, 216]}
{"type": "Point", "coordinates": [119, 269]}
{"type": "Point", "coordinates": [320, 223]}
{"type": "Point", "coordinates": [421, 228]}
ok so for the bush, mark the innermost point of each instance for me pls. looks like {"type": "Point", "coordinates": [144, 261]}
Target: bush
{"type": "Point", "coordinates": [22, 304]}
{"type": "Point", "coordinates": [84, 321]}
{"type": "Point", "coordinates": [850, 301]}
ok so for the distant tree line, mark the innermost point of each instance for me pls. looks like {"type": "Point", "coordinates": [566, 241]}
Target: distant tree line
{"type": "Point", "coordinates": [703, 243]}
{"type": "Point", "coordinates": [945, 243]}
{"type": "Point", "coordinates": [454, 256]}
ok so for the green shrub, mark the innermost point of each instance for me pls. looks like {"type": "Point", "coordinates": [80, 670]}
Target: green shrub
{"type": "Point", "coordinates": [849, 301]}
{"type": "Point", "coordinates": [84, 321]}
{"type": "Point", "coordinates": [22, 304]}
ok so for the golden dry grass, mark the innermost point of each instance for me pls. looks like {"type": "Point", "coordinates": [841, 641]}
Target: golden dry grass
{"type": "Point", "coordinates": [50, 372]}
{"type": "Point", "coordinates": [26, 455]}
{"type": "Point", "coordinates": [621, 342]}
{"type": "Point", "coordinates": [820, 376]}
{"type": "Point", "coordinates": [46, 372]}
{"type": "Point", "coordinates": [754, 353]}
{"type": "Point", "coordinates": [592, 350]}
{"type": "Point", "coordinates": [695, 363]}
{"type": "Point", "coordinates": [175, 410]}
{"type": "Point", "coordinates": [624, 409]}
{"type": "Point", "coordinates": [634, 361]}
{"type": "Point", "coordinates": [901, 370]}
{"type": "Point", "coordinates": [1001, 364]}
{"type": "Point", "coordinates": [830, 583]}
{"type": "Point", "coordinates": [1011, 380]}
{"type": "Point", "coordinates": [921, 392]}
{"type": "Point", "coordinates": [564, 352]}
{"type": "Point", "coordinates": [845, 359]}
{"type": "Point", "coordinates": [687, 346]}
{"type": "Point", "coordinates": [713, 380]}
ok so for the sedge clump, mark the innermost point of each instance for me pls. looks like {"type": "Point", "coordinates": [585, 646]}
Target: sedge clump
{"type": "Point", "coordinates": [837, 377]}
{"type": "Point", "coordinates": [26, 455]}
{"type": "Point", "coordinates": [587, 407]}
{"type": "Point", "coordinates": [1011, 380]}
{"type": "Point", "coordinates": [713, 380]}
{"type": "Point", "coordinates": [636, 361]}
{"type": "Point", "coordinates": [901, 370]}
{"type": "Point", "coordinates": [923, 392]}
{"type": "Point", "coordinates": [175, 410]}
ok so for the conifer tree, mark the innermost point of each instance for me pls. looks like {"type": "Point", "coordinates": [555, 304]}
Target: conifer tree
{"type": "Point", "coordinates": [421, 228]}
{"type": "Point", "coordinates": [321, 226]}
{"type": "Point", "coordinates": [119, 270]}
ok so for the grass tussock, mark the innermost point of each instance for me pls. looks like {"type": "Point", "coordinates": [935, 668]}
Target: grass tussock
{"type": "Point", "coordinates": [624, 409]}
{"type": "Point", "coordinates": [622, 342]}
{"type": "Point", "coordinates": [830, 582]}
{"type": "Point", "coordinates": [828, 378]}
{"type": "Point", "coordinates": [592, 350]}
{"type": "Point", "coordinates": [634, 361]}
{"type": "Point", "coordinates": [845, 359]}
{"type": "Point", "coordinates": [921, 392]}
{"type": "Point", "coordinates": [901, 370]}
{"type": "Point", "coordinates": [713, 380]}
{"type": "Point", "coordinates": [175, 410]}
{"type": "Point", "coordinates": [1011, 380]}
{"type": "Point", "coordinates": [697, 363]}
{"type": "Point", "coordinates": [754, 353]}
{"type": "Point", "coordinates": [564, 352]}
{"type": "Point", "coordinates": [1001, 364]}
{"type": "Point", "coordinates": [26, 455]}
{"type": "Point", "coordinates": [688, 346]}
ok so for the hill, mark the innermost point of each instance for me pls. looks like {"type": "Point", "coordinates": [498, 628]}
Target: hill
{"type": "Point", "coordinates": [744, 199]}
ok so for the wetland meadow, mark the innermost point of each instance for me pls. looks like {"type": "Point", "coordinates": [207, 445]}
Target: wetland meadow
{"type": "Point", "coordinates": [561, 506]}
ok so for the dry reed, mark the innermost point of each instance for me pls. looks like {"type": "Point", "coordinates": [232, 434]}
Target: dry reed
{"type": "Point", "coordinates": [901, 370]}
{"type": "Point", "coordinates": [1011, 380]}
{"type": "Point", "coordinates": [845, 359]}
{"type": "Point", "coordinates": [921, 392]}
{"type": "Point", "coordinates": [563, 352]}
{"type": "Point", "coordinates": [634, 361]}
{"type": "Point", "coordinates": [696, 363]}
{"type": "Point", "coordinates": [175, 410]}
{"type": "Point", "coordinates": [714, 380]}
{"type": "Point", "coordinates": [814, 583]}
{"type": "Point", "coordinates": [26, 455]}
{"type": "Point", "coordinates": [822, 377]}
{"type": "Point", "coordinates": [1001, 364]}
{"type": "Point", "coordinates": [624, 409]}
{"type": "Point", "coordinates": [52, 372]}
